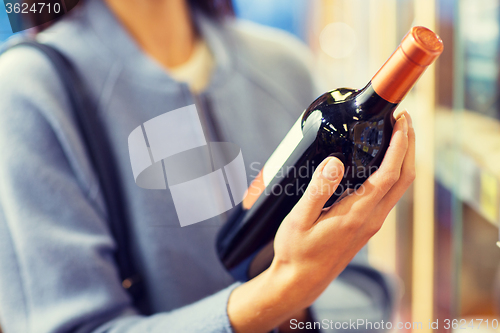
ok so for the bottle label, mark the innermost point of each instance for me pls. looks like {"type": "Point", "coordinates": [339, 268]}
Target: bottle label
{"type": "Point", "coordinates": [283, 152]}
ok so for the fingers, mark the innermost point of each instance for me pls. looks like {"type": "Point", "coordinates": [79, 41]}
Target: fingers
{"type": "Point", "coordinates": [324, 183]}
{"type": "Point", "coordinates": [407, 174]}
{"type": "Point", "coordinates": [379, 183]}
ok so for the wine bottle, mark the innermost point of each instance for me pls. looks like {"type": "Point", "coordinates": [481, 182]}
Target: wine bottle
{"type": "Point", "coordinates": [353, 125]}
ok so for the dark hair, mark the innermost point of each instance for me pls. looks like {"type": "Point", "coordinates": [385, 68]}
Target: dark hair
{"type": "Point", "coordinates": [215, 9]}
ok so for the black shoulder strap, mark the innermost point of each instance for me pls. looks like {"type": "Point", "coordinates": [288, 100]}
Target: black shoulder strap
{"type": "Point", "coordinates": [102, 159]}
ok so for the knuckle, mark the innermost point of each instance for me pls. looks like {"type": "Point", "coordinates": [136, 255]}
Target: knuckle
{"type": "Point", "coordinates": [410, 176]}
{"type": "Point", "coordinates": [318, 190]}
{"type": "Point", "coordinates": [355, 217]}
{"type": "Point", "coordinates": [389, 179]}
{"type": "Point", "coordinates": [407, 177]}
{"type": "Point", "coordinates": [294, 223]}
{"type": "Point", "coordinates": [314, 193]}
{"type": "Point", "coordinates": [374, 227]}
{"type": "Point", "coordinates": [393, 177]}
{"type": "Point", "coordinates": [352, 225]}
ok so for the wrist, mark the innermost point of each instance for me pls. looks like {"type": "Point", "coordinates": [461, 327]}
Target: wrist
{"type": "Point", "coordinates": [264, 302]}
{"type": "Point", "coordinates": [301, 284]}
{"type": "Point", "coordinates": [292, 284]}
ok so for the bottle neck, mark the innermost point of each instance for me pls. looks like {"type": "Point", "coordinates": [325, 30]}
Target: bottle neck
{"type": "Point", "coordinates": [371, 102]}
{"type": "Point", "coordinates": [396, 77]}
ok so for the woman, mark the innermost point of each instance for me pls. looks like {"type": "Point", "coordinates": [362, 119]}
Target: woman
{"type": "Point", "coordinates": [56, 251]}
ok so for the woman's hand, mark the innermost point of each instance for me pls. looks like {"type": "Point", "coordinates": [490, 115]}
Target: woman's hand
{"type": "Point", "coordinates": [312, 246]}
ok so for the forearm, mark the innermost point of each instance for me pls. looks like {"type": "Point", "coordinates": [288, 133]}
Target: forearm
{"type": "Point", "coordinates": [266, 301]}
{"type": "Point", "coordinates": [302, 316]}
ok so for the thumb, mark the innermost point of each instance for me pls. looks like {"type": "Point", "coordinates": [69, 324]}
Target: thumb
{"type": "Point", "coordinates": [324, 183]}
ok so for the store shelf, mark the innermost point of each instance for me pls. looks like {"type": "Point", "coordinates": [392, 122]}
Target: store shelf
{"type": "Point", "coordinates": [468, 159]}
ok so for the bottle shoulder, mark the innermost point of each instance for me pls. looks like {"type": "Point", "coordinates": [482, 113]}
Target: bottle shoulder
{"type": "Point", "coordinates": [348, 118]}
{"type": "Point", "coordinates": [350, 105]}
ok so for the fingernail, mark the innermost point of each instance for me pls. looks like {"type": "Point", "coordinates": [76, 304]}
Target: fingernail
{"type": "Point", "coordinates": [405, 125]}
{"type": "Point", "coordinates": [333, 169]}
{"type": "Point", "coordinates": [410, 122]}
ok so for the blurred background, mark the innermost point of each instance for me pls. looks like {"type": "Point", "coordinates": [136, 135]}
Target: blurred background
{"type": "Point", "coordinates": [441, 238]}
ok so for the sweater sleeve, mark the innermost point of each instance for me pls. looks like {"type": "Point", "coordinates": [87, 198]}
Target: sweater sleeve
{"type": "Point", "coordinates": [58, 272]}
